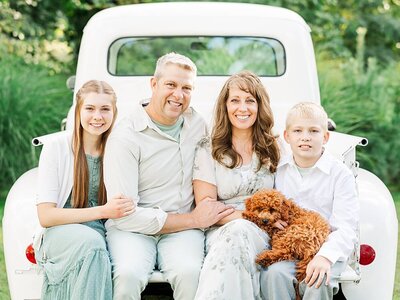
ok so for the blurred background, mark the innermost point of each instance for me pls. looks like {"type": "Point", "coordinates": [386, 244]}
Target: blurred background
{"type": "Point", "coordinates": [357, 44]}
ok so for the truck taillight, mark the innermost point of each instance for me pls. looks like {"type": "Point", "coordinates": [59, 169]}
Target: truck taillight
{"type": "Point", "coordinates": [367, 254]}
{"type": "Point", "coordinates": [30, 254]}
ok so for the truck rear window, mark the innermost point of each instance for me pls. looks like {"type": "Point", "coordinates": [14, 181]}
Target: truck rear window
{"type": "Point", "coordinates": [219, 55]}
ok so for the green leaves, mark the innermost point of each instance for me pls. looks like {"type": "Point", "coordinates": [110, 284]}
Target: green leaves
{"type": "Point", "coordinates": [366, 102]}
{"type": "Point", "coordinates": [32, 103]}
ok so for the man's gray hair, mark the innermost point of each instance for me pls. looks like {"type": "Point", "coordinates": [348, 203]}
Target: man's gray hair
{"type": "Point", "coordinates": [176, 59]}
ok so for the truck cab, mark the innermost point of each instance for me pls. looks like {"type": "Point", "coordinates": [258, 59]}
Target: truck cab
{"type": "Point", "coordinates": [120, 45]}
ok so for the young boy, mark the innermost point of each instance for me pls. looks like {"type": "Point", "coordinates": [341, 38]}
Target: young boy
{"type": "Point", "coordinates": [316, 181]}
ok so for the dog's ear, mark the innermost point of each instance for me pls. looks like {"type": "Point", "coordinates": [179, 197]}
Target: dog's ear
{"type": "Point", "coordinates": [285, 210]}
{"type": "Point", "coordinates": [248, 215]}
{"type": "Point", "coordinates": [247, 203]}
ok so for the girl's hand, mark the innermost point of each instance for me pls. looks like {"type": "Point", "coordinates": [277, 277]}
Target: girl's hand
{"type": "Point", "coordinates": [117, 207]}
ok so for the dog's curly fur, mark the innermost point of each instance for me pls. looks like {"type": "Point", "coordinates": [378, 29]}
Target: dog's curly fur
{"type": "Point", "coordinates": [299, 241]}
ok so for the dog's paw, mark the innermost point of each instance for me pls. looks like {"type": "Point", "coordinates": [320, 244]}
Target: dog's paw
{"type": "Point", "coordinates": [263, 260]}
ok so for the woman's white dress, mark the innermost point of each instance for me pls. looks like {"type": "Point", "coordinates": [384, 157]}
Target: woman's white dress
{"type": "Point", "coordinates": [229, 271]}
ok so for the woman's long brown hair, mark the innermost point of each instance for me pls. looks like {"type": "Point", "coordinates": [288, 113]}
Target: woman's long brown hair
{"type": "Point", "coordinates": [264, 142]}
{"type": "Point", "coordinates": [80, 190]}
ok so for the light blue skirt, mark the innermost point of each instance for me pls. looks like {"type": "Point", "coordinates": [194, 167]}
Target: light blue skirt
{"type": "Point", "coordinates": [76, 262]}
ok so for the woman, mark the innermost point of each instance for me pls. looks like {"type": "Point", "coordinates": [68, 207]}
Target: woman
{"type": "Point", "coordinates": [240, 158]}
{"type": "Point", "coordinates": [72, 201]}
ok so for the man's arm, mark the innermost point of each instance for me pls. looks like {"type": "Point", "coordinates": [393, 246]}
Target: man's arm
{"type": "Point", "coordinates": [205, 190]}
{"type": "Point", "coordinates": [121, 177]}
{"type": "Point", "coordinates": [206, 213]}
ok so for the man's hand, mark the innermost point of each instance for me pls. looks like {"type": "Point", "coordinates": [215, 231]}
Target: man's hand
{"type": "Point", "coordinates": [316, 270]}
{"type": "Point", "coordinates": [117, 207]}
{"type": "Point", "coordinates": [209, 211]}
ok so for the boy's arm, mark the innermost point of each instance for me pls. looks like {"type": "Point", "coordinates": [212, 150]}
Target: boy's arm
{"type": "Point", "coordinates": [344, 219]}
{"type": "Point", "coordinates": [344, 223]}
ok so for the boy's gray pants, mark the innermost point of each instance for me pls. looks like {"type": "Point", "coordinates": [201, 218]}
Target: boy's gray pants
{"type": "Point", "coordinates": [278, 280]}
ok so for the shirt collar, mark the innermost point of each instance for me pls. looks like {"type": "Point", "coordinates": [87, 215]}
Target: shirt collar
{"type": "Point", "coordinates": [324, 163]}
{"type": "Point", "coordinates": [141, 119]}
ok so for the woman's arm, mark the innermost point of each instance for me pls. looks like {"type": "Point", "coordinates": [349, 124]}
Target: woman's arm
{"type": "Point", "coordinates": [203, 190]}
{"type": "Point", "coordinates": [237, 214]}
{"type": "Point", "coordinates": [50, 215]}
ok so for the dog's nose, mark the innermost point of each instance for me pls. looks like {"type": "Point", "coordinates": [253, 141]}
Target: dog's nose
{"type": "Point", "coordinates": [265, 221]}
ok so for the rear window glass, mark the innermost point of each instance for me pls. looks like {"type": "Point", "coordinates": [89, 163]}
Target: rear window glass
{"type": "Point", "coordinates": [213, 56]}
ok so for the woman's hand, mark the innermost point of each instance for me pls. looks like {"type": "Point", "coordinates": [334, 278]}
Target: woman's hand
{"type": "Point", "coordinates": [117, 207]}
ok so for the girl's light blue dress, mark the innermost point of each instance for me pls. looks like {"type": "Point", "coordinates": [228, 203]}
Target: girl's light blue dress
{"type": "Point", "coordinates": [74, 257]}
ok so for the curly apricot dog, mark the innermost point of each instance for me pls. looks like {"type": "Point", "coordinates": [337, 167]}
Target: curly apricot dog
{"type": "Point", "coordinates": [299, 241]}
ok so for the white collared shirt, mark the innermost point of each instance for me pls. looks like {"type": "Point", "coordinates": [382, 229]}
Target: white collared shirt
{"type": "Point", "coordinates": [152, 168]}
{"type": "Point", "coordinates": [329, 189]}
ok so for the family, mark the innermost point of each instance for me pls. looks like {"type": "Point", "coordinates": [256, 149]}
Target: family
{"type": "Point", "coordinates": [159, 191]}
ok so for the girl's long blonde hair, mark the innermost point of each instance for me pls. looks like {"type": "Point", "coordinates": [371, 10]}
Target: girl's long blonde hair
{"type": "Point", "coordinates": [80, 190]}
{"type": "Point", "coordinates": [264, 142]}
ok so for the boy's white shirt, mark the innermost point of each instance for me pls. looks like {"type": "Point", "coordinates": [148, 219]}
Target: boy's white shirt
{"type": "Point", "coordinates": [329, 189]}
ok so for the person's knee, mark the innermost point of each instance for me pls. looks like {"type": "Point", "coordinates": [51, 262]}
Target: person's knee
{"type": "Point", "coordinates": [322, 292]}
{"type": "Point", "coordinates": [274, 272]}
{"type": "Point", "coordinates": [236, 228]}
{"type": "Point", "coordinates": [92, 241]}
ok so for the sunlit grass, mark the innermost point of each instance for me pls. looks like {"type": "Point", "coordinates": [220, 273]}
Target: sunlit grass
{"type": "Point", "coordinates": [4, 292]}
{"type": "Point", "coordinates": [396, 295]}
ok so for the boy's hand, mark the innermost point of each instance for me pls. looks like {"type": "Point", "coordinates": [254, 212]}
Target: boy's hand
{"type": "Point", "coordinates": [316, 270]}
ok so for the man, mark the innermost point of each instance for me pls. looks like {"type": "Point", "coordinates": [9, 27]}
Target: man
{"type": "Point", "coordinates": [149, 158]}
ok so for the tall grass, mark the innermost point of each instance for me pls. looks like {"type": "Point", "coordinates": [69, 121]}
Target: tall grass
{"type": "Point", "coordinates": [396, 292]}
{"type": "Point", "coordinates": [4, 292]}
{"type": "Point", "coordinates": [32, 103]}
{"type": "Point", "coordinates": [366, 102]}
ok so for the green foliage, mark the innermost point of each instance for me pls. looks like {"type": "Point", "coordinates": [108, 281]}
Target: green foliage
{"type": "Point", "coordinates": [26, 25]}
{"type": "Point", "coordinates": [334, 25]}
{"type": "Point", "coordinates": [32, 103]}
{"type": "Point", "coordinates": [212, 55]}
{"type": "Point", "coordinates": [366, 103]}
{"type": "Point", "coordinates": [4, 292]}
{"type": "Point", "coordinates": [35, 35]}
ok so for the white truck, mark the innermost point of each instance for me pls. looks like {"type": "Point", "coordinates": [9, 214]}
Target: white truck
{"type": "Point", "coordinates": [120, 45]}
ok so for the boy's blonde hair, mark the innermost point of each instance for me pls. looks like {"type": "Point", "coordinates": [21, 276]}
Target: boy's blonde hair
{"type": "Point", "coordinates": [174, 59]}
{"type": "Point", "coordinates": [308, 110]}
